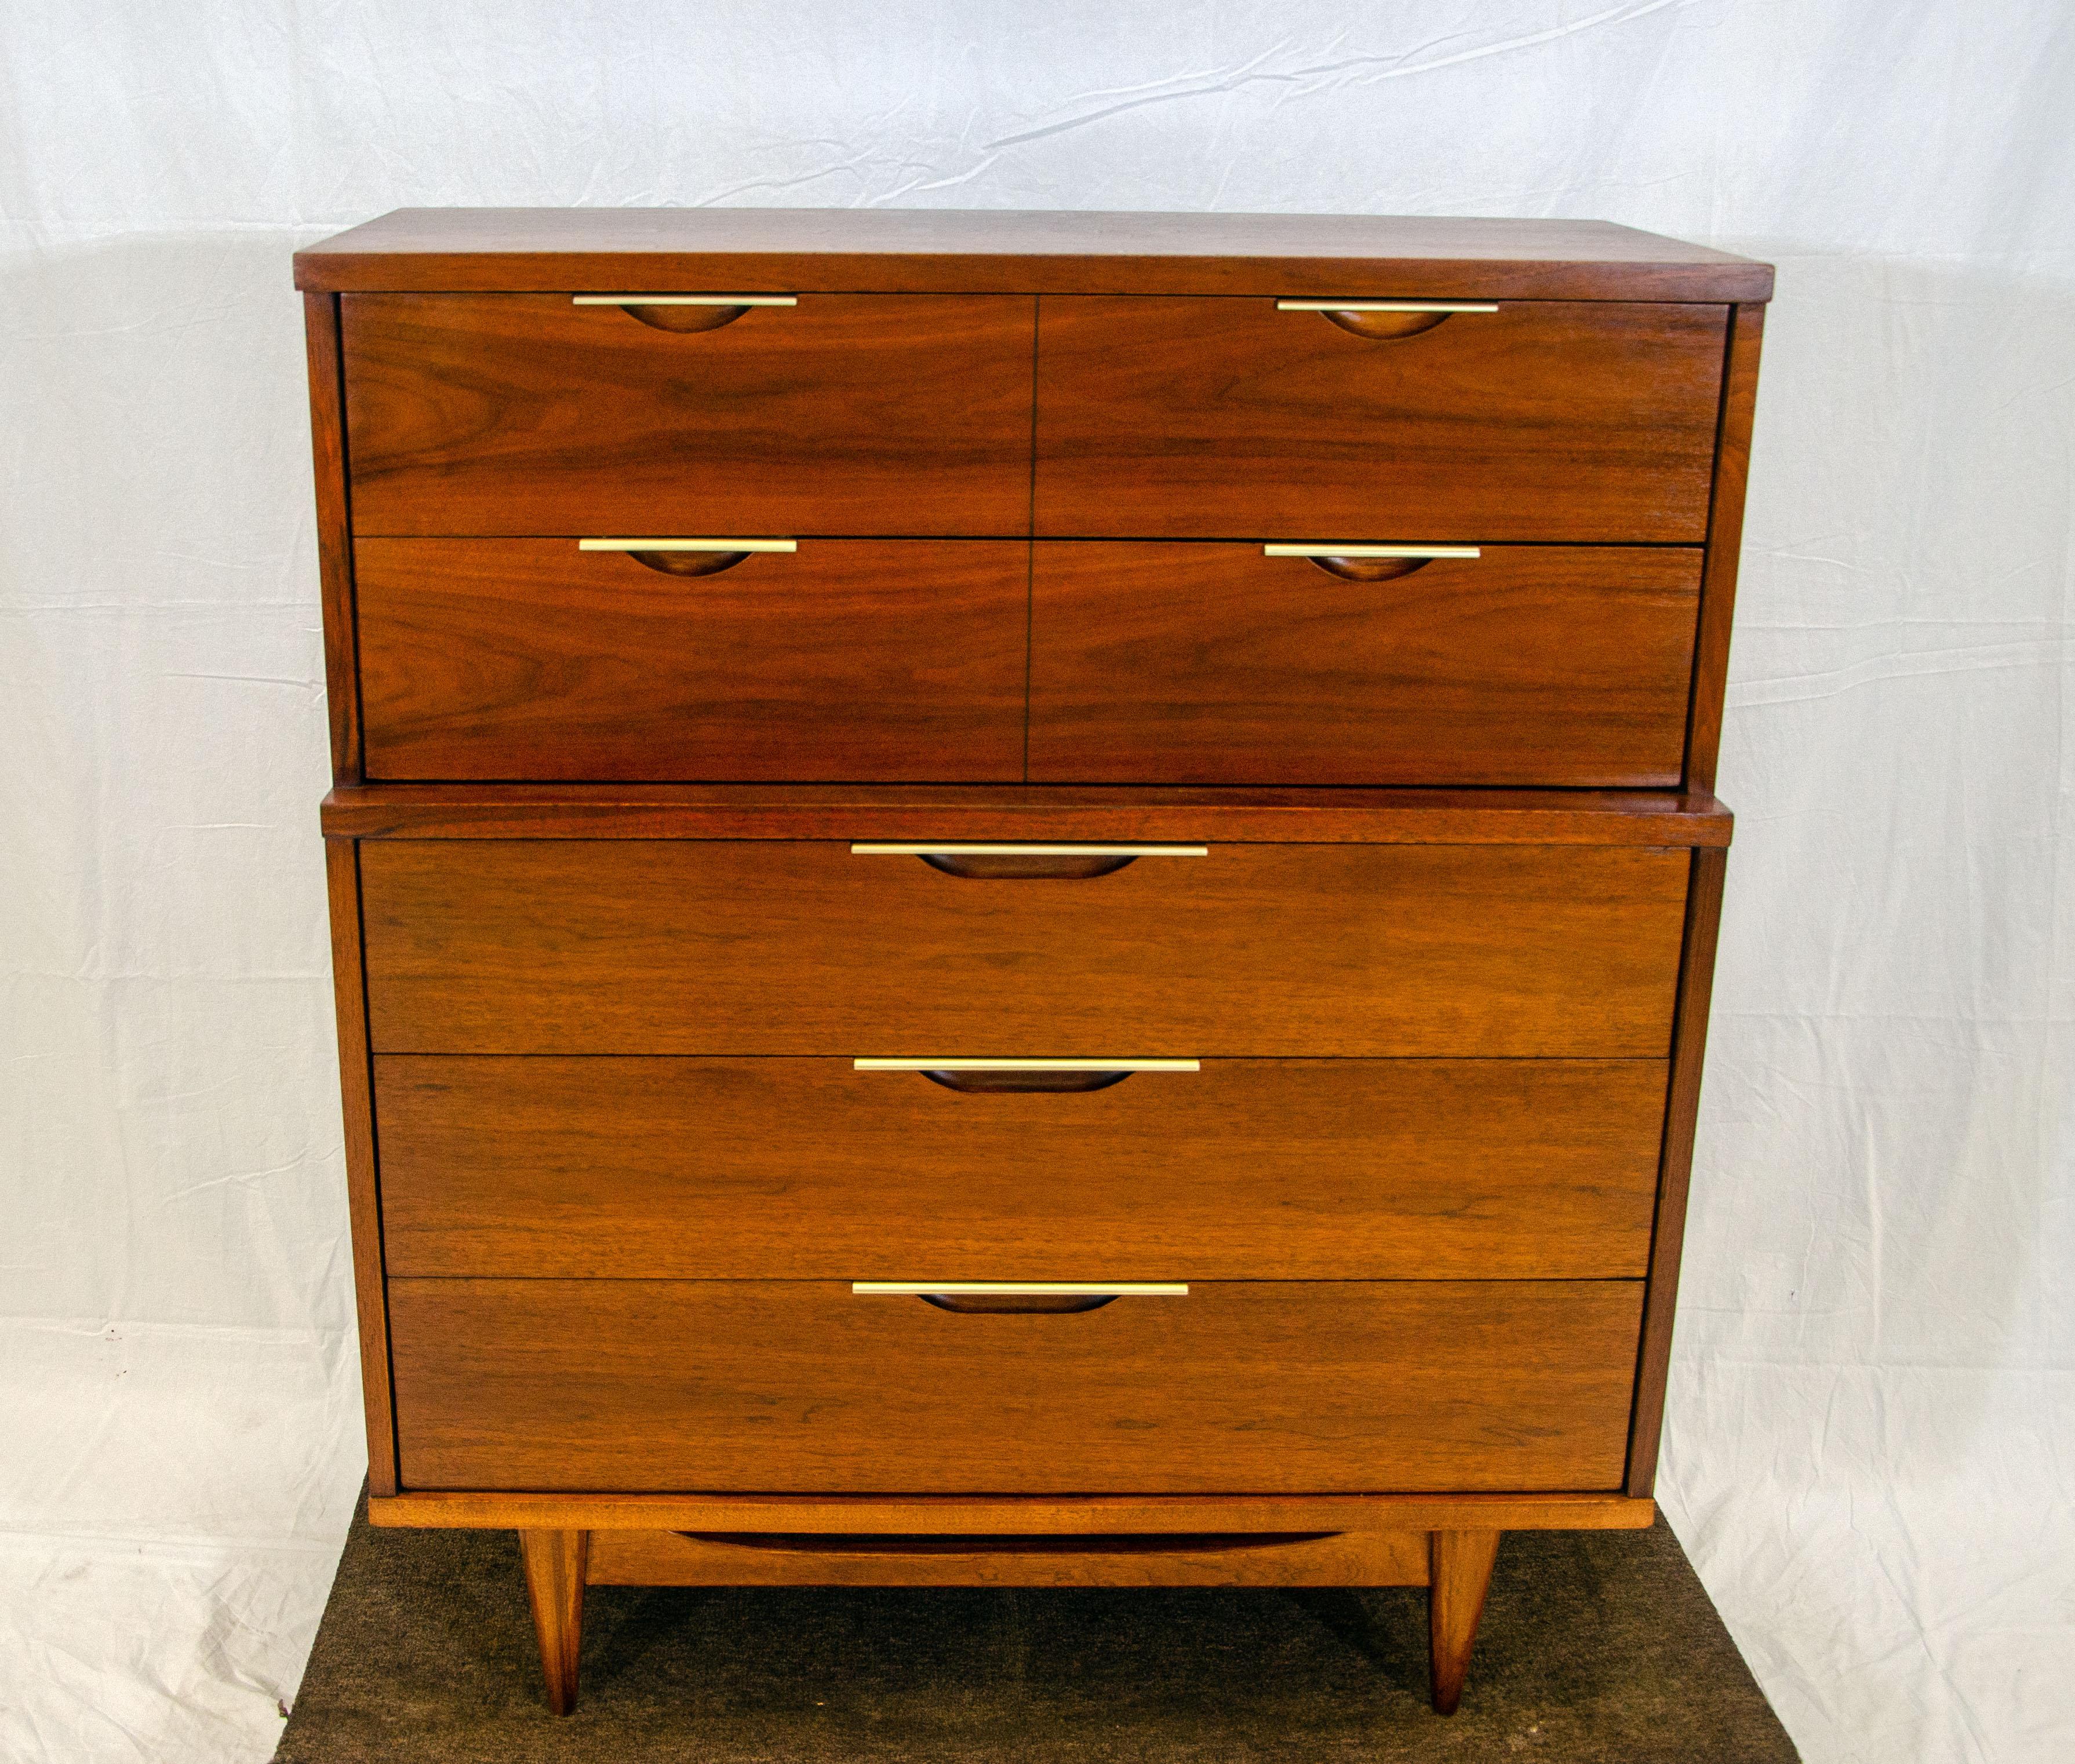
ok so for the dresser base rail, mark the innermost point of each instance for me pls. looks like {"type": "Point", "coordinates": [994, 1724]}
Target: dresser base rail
{"type": "Point", "coordinates": [1447, 1543]}
{"type": "Point", "coordinates": [992, 1515]}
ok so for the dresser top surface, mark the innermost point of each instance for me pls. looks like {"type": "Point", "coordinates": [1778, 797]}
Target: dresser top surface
{"type": "Point", "coordinates": [928, 250]}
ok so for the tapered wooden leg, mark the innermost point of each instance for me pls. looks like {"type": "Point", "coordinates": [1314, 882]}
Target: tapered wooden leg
{"type": "Point", "coordinates": [1460, 1567]}
{"type": "Point", "coordinates": [555, 1584]}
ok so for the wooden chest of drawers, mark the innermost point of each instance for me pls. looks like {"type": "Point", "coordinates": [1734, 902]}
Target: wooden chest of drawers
{"type": "Point", "coordinates": [1021, 899]}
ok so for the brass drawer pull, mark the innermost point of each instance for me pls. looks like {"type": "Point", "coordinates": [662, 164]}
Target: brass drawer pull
{"type": "Point", "coordinates": [1026, 1077]}
{"type": "Point", "coordinates": [1061, 862]}
{"type": "Point", "coordinates": [1385, 321]}
{"type": "Point", "coordinates": [1383, 306]}
{"type": "Point", "coordinates": [689, 556]}
{"type": "Point", "coordinates": [684, 313]}
{"type": "Point", "coordinates": [1055, 1297]}
{"type": "Point", "coordinates": [1370, 563]}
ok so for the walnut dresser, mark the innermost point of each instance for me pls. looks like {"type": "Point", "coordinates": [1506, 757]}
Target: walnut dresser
{"type": "Point", "coordinates": [1021, 899]}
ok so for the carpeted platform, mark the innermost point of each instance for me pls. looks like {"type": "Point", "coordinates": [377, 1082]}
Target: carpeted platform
{"type": "Point", "coordinates": [1596, 1646]}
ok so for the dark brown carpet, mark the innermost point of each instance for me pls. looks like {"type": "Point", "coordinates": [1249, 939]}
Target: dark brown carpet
{"type": "Point", "coordinates": [1595, 1648]}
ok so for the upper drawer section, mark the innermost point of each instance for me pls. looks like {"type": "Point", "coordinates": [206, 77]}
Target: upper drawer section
{"type": "Point", "coordinates": [844, 413]}
{"type": "Point", "coordinates": [1195, 663]}
{"type": "Point", "coordinates": [871, 660]}
{"type": "Point", "coordinates": [1215, 418]}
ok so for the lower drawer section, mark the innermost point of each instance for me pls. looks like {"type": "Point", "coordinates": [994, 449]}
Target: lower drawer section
{"type": "Point", "coordinates": [1240, 1387]}
{"type": "Point", "coordinates": [679, 1169]}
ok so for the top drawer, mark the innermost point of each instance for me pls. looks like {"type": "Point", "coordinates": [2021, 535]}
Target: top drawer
{"type": "Point", "coordinates": [1232, 418]}
{"type": "Point", "coordinates": [845, 413]}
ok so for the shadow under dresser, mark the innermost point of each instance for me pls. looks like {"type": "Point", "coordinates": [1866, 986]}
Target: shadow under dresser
{"type": "Point", "coordinates": [1021, 899]}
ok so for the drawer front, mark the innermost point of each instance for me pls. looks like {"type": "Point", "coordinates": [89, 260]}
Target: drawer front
{"type": "Point", "coordinates": [848, 413]}
{"type": "Point", "coordinates": [870, 659]}
{"type": "Point", "coordinates": [1527, 664]}
{"type": "Point", "coordinates": [779, 946]}
{"type": "Point", "coordinates": [774, 1386]}
{"type": "Point", "coordinates": [806, 1169]}
{"type": "Point", "coordinates": [1211, 418]}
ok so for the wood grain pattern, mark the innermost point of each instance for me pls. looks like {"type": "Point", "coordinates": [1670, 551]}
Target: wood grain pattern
{"type": "Point", "coordinates": [1458, 1579]}
{"type": "Point", "coordinates": [1697, 980]}
{"type": "Point", "coordinates": [1254, 952]}
{"type": "Point", "coordinates": [849, 414]}
{"type": "Point", "coordinates": [556, 1563]}
{"type": "Point", "coordinates": [1725, 535]}
{"type": "Point", "coordinates": [334, 533]}
{"type": "Point", "coordinates": [1191, 418]}
{"type": "Point", "coordinates": [851, 659]}
{"type": "Point", "coordinates": [945, 250]}
{"type": "Point", "coordinates": [1036, 812]}
{"type": "Point", "coordinates": [1027, 1515]}
{"type": "Point", "coordinates": [804, 1169]}
{"type": "Point", "coordinates": [363, 1196]}
{"type": "Point", "coordinates": [1208, 663]}
{"type": "Point", "coordinates": [1242, 1387]}
{"type": "Point", "coordinates": [1360, 1558]}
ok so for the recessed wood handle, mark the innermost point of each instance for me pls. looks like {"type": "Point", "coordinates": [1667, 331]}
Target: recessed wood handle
{"type": "Point", "coordinates": [1013, 1298]}
{"type": "Point", "coordinates": [1369, 563]}
{"type": "Point", "coordinates": [688, 563]}
{"type": "Point", "coordinates": [1030, 863]}
{"type": "Point", "coordinates": [1384, 321]}
{"type": "Point", "coordinates": [909, 1543]}
{"type": "Point", "coordinates": [684, 313]}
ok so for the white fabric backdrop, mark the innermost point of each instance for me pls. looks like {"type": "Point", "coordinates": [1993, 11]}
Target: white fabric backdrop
{"type": "Point", "coordinates": [1872, 1434]}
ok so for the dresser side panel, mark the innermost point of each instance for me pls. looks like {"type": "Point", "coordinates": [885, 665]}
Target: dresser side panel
{"type": "Point", "coordinates": [334, 532]}
{"type": "Point", "coordinates": [1726, 533]}
{"type": "Point", "coordinates": [363, 1193]}
{"type": "Point", "coordinates": [1689, 1043]}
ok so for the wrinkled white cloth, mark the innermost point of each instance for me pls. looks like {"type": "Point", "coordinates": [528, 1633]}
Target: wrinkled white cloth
{"type": "Point", "coordinates": [1872, 1416]}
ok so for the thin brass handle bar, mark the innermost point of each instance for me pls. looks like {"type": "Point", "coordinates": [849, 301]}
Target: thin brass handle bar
{"type": "Point", "coordinates": [684, 314]}
{"type": "Point", "coordinates": [1026, 1078]}
{"type": "Point", "coordinates": [1384, 321]}
{"type": "Point", "coordinates": [1329, 550]}
{"type": "Point", "coordinates": [940, 848]}
{"type": "Point", "coordinates": [688, 556]}
{"type": "Point", "coordinates": [689, 545]}
{"type": "Point", "coordinates": [1382, 306]}
{"type": "Point", "coordinates": [1030, 863]}
{"type": "Point", "coordinates": [1016, 1298]}
{"type": "Point", "coordinates": [1047, 1288]}
{"type": "Point", "coordinates": [683, 299]}
{"type": "Point", "coordinates": [1370, 563]}
{"type": "Point", "coordinates": [1025, 1066]}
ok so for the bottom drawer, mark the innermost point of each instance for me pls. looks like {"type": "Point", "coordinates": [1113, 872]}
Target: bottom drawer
{"type": "Point", "coordinates": [803, 1386]}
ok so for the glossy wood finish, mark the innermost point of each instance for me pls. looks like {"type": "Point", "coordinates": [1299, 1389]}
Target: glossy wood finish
{"type": "Point", "coordinates": [1182, 418]}
{"type": "Point", "coordinates": [556, 1564]}
{"type": "Point", "coordinates": [1352, 1559]}
{"type": "Point", "coordinates": [334, 532]}
{"type": "Point", "coordinates": [1697, 980]}
{"type": "Point", "coordinates": [363, 1196]}
{"type": "Point", "coordinates": [1211, 664]}
{"type": "Point", "coordinates": [1254, 952]}
{"type": "Point", "coordinates": [1725, 534]}
{"type": "Point", "coordinates": [849, 658]}
{"type": "Point", "coordinates": [848, 414]}
{"type": "Point", "coordinates": [1451, 1036]}
{"type": "Point", "coordinates": [1249, 1387]}
{"type": "Point", "coordinates": [1027, 1515]}
{"type": "Point", "coordinates": [1032, 812]}
{"type": "Point", "coordinates": [947, 250]}
{"type": "Point", "coordinates": [801, 1170]}
{"type": "Point", "coordinates": [1458, 1579]}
